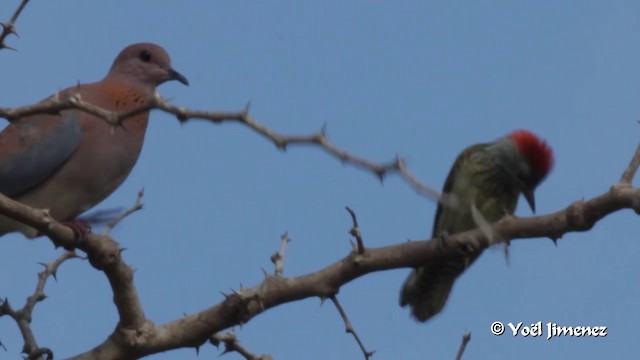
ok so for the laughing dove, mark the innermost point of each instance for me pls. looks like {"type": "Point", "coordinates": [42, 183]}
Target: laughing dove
{"type": "Point", "coordinates": [70, 162]}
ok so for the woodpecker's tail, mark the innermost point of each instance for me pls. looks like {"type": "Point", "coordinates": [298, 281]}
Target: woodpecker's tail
{"type": "Point", "coordinates": [426, 291]}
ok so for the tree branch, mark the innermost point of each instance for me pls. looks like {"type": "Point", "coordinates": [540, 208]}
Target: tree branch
{"type": "Point", "coordinates": [241, 306]}
{"type": "Point", "coordinates": [631, 170]}
{"type": "Point", "coordinates": [349, 328]}
{"type": "Point", "coordinates": [466, 337]}
{"type": "Point", "coordinates": [355, 231]}
{"type": "Point", "coordinates": [9, 28]}
{"type": "Point", "coordinates": [103, 254]}
{"type": "Point", "coordinates": [136, 206]}
{"type": "Point", "coordinates": [231, 344]}
{"type": "Point", "coordinates": [23, 316]}
{"type": "Point", "coordinates": [278, 258]}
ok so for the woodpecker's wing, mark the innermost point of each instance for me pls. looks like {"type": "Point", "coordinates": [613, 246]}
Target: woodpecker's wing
{"type": "Point", "coordinates": [448, 184]}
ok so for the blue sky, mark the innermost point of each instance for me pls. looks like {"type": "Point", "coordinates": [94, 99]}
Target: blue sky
{"type": "Point", "coordinates": [415, 78]}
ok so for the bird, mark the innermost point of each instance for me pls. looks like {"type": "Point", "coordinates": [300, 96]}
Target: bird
{"type": "Point", "coordinates": [71, 161]}
{"type": "Point", "coordinates": [486, 177]}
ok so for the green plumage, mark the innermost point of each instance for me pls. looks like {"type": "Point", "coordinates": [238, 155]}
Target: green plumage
{"type": "Point", "coordinates": [482, 175]}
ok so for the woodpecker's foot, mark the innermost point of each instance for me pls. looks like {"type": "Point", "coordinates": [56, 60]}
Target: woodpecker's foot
{"type": "Point", "coordinates": [442, 240]}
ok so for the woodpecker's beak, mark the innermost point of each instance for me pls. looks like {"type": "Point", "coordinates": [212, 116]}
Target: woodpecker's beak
{"type": "Point", "coordinates": [528, 194]}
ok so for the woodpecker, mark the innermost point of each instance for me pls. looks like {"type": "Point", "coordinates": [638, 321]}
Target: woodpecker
{"type": "Point", "coordinates": [489, 177]}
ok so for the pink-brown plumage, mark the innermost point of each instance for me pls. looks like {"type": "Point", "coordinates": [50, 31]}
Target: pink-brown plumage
{"type": "Point", "coordinates": [70, 162]}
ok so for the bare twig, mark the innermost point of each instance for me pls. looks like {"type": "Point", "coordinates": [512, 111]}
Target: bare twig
{"type": "Point", "coordinates": [631, 170]}
{"type": "Point", "coordinates": [41, 353]}
{"type": "Point", "coordinates": [355, 231]}
{"type": "Point", "coordinates": [231, 344]}
{"type": "Point", "coordinates": [349, 328]}
{"type": "Point", "coordinates": [278, 258]}
{"type": "Point", "coordinates": [136, 206]}
{"type": "Point", "coordinates": [318, 139]}
{"type": "Point", "coordinates": [49, 270]}
{"type": "Point", "coordinates": [8, 27]}
{"type": "Point", "coordinates": [466, 337]}
{"type": "Point", "coordinates": [23, 316]}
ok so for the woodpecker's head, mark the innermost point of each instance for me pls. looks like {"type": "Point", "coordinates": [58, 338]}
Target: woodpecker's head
{"type": "Point", "coordinates": [534, 164]}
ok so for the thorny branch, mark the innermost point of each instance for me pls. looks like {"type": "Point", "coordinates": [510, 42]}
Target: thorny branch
{"type": "Point", "coordinates": [349, 328]}
{"type": "Point", "coordinates": [239, 307]}
{"type": "Point", "coordinates": [231, 344]}
{"type": "Point", "coordinates": [136, 206]}
{"type": "Point", "coordinates": [41, 353]}
{"type": "Point", "coordinates": [319, 139]}
{"type": "Point", "coordinates": [9, 27]}
{"type": "Point", "coordinates": [631, 170]}
{"type": "Point", "coordinates": [355, 231]}
{"type": "Point", "coordinates": [104, 254]}
{"type": "Point", "coordinates": [23, 316]}
{"type": "Point", "coordinates": [278, 258]}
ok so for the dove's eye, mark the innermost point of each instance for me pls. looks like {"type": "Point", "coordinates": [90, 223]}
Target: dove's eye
{"type": "Point", "coordinates": [145, 56]}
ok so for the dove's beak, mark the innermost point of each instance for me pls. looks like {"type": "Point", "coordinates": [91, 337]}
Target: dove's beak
{"type": "Point", "coordinates": [174, 75]}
